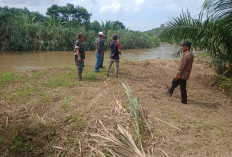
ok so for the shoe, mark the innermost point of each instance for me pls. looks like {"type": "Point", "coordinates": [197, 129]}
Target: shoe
{"type": "Point", "coordinates": [116, 76]}
{"type": "Point", "coordinates": [101, 66]}
{"type": "Point", "coordinates": [97, 71]}
{"type": "Point", "coordinates": [169, 94]}
{"type": "Point", "coordinates": [108, 75]}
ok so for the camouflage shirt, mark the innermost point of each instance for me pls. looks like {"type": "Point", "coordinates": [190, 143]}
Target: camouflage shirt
{"type": "Point", "coordinates": [79, 45]}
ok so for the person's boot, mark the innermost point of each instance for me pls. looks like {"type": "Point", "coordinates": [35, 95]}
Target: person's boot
{"type": "Point", "coordinates": [80, 76]}
{"type": "Point", "coordinates": [101, 66]}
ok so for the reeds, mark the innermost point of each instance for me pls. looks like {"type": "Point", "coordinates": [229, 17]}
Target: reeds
{"type": "Point", "coordinates": [28, 34]}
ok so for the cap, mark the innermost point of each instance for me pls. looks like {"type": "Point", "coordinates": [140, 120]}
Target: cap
{"type": "Point", "coordinates": [100, 33]}
{"type": "Point", "coordinates": [115, 37]}
{"type": "Point", "coordinates": [187, 43]}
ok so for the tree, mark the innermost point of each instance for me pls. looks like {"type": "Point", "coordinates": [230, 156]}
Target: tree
{"type": "Point", "coordinates": [117, 25]}
{"type": "Point", "coordinates": [70, 13]}
{"type": "Point", "coordinates": [96, 26]}
{"type": "Point", "coordinates": [54, 10]}
{"type": "Point", "coordinates": [82, 15]}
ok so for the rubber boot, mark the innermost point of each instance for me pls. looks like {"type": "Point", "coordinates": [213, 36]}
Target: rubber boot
{"type": "Point", "coordinates": [80, 76]}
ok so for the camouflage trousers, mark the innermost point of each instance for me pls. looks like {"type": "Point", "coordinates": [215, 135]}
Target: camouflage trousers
{"type": "Point", "coordinates": [80, 65]}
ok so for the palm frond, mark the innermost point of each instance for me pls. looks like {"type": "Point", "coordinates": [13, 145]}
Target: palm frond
{"type": "Point", "coordinates": [217, 9]}
{"type": "Point", "coordinates": [211, 36]}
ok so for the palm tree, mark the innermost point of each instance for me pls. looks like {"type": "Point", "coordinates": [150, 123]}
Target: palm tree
{"type": "Point", "coordinates": [210, 32]}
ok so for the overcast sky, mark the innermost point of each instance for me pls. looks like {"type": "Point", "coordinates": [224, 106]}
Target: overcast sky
{"type": "Point", "coordinates": [136, 14]}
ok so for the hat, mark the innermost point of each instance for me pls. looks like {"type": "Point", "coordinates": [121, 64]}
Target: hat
{"type": "Point", "coordinates": [100, 33]}
{"type": "Point", "coordinates": [115, 37]}
{"type": "Point", "coordinates": [187, 43]}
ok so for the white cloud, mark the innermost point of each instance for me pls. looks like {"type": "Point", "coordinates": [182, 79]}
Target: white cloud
{"type": "Point", "coordinates": [139, 2]}
{"type": "Point", "coordinates": [114, 7]}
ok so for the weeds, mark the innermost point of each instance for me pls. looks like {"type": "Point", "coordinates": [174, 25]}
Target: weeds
{"type": "Point", "coordinates": [133, 106]}
{"type": "Point", "coordinates": [63, 79]}
{"type": "Point", "coordinates": [6, 78]}
{"type": "Point", "coordinates": [90, 76]}
{"type": "Point", "coordinates": [66, 102]}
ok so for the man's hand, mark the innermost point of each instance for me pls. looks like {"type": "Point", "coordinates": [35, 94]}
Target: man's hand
{"type": "Point", "coordinates": [176, 78]}
{"type": "Point", "coordinates": [102, 53]}
{"type": "Point", "coordinates": [79, 59]}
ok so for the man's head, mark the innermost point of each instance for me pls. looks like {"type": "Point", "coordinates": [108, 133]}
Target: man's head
{"type": "Point", "coordinates": [186, 46]}
{"type": "Point", "coordinates": [80, 37]}
{"type": "Point", "coordinates": [115, 37]}
{"type": "Point", "coordinates": [101, 34]}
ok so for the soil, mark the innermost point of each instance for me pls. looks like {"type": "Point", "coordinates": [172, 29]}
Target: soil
{"type": "Point", "coordinates": [60, 123]}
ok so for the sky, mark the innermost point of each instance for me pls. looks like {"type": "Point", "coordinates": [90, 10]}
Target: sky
{"type": "Point", "coordinates": [139, 15]}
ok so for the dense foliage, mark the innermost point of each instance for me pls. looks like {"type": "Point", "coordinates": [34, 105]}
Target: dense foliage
{"type": "Point", "coordinates": [210, 32]}
{"type": "Point", "coordinates": [22, 30]}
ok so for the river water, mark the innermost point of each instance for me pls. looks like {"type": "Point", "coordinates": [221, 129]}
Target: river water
{"type": "Point", "coordinates": [19, 62]}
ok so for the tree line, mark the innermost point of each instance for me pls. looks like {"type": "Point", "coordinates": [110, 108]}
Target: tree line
{"type": "Point", "coordinates": [24, 30]}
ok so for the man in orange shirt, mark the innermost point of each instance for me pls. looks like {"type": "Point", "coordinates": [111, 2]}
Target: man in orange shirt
{"type": "Point", "coordinates": [184, 72]}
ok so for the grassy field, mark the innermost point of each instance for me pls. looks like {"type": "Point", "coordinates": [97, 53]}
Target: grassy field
{"type": "Point", "coordinates": [50, 113]}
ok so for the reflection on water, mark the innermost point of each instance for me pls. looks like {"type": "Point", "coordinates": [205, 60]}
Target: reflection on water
{"type": "Point", "coordinates": [41, 60]}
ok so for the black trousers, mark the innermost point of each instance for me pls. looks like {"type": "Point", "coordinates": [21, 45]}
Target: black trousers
{"type": "Point", "coordinates": [183, 90]}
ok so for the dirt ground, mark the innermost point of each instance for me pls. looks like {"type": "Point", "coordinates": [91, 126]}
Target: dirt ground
{"type": "Point", "coordinates": [56, 119]}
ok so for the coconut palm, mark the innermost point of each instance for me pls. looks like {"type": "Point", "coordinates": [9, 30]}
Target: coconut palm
{"type": "Point", "coordinates": [213, 35]}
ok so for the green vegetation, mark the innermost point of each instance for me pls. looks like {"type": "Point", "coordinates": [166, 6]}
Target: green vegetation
{"type": "Point", "coordinates": [22, 30]}
{"type": "Point", "coordinates": [210, 32]}
{"type": "Point", "coordinates": [8, 78]}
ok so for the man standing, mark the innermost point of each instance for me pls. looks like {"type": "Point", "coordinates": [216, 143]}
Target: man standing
{"type": "Point", "coordinates": [100, 49]}
{"type": "Point", "coordinates": [184, 72]}
{"type": "Point", "coordinates": [79, 53]}
{"type": "Point", "coordinates": [114, 56]}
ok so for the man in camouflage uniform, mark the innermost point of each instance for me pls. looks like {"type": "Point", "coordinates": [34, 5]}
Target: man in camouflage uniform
{"type": "Point", "coordinates": [79, 53]}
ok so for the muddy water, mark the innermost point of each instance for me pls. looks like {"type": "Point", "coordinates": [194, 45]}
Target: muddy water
{"type": "Point", "coordinates": [18, 62]}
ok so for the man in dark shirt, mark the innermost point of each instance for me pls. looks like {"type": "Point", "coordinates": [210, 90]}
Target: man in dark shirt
{"type": "Point", "coordinates": [100, 49]}
{"type": "Point", "coordinates": [114, 56]}
{"type": "Point", "coordinates": [79, 53]}
{"type": "Point", "coordinates": [184, 72]}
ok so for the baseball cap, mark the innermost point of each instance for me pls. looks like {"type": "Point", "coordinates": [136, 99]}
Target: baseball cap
{"type": "Point", "coordinates": [115, 37]}
{"type": "Point", "coordinates": [187, 43]}
{"type": "Point", "coordinates": [100, 33]}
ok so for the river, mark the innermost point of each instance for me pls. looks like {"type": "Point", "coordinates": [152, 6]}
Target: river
{"type": "Point", "coordinates": [24, 61]}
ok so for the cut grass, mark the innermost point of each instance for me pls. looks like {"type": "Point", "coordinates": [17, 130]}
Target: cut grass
{"type": "Point", "coordinates": [62, 79]}
{"type": "Point", "coordinates": [7, 78]}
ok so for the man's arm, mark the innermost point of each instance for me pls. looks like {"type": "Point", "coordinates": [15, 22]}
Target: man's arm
{"type": "Point", "coordinates": [183, 63]}
{"type": "Point", "coordinates": [101, 46]}
{"type": "Point", "coordinates": [78, 54]}
{"type": "Point", "coordinates": [119, 48]}
{"type": "Point", "coordinates": [77, 47]}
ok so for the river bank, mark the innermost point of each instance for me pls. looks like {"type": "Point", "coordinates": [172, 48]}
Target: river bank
{"type": "Point", "coordinates": [49, 113]}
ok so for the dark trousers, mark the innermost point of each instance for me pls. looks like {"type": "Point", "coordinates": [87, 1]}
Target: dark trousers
{"type": "Point", "coordinates": [102, 59]}
{"type": "Point", "coordinates": [183, 90]}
